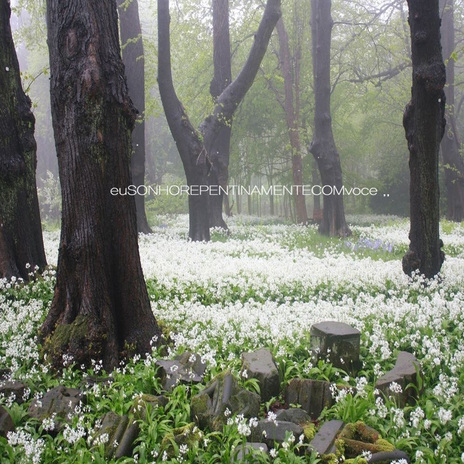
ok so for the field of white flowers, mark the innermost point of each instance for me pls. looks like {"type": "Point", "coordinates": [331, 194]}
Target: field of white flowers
{"type": "Point", "coordinates": [265, 285]}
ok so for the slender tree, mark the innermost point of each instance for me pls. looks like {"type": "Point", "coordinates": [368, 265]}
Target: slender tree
{"type": "Point", "coordinates": [220, 147]}
{"type": "Point", "coordinates": [290, 66]}
{"type": "Point", "coordinates": [323, 144]}
{"type": "Point", "coordinates": [100, 309]}
{"type": "Point", "coordinates": [21, 243]}
{"type": "Point", "coordinates": [133, 59]}
{"type": "Point", "coordinates": [195, 146]}
{"type": "Point", "coordinates": [424, 124]}
{"type": "Point", "coordinates": [450, 144]}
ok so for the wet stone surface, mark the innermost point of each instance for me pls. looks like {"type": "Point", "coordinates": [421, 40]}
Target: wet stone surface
{"type": "Point", "coordinates": [261, 365]}
{"type": "Point", "coordinates": [59, 403]}
{"type": "Point", "coordinates": [324, 440]}
{"type": "Point", "coordinates": [223, 393]}
{"type": "Point", "coordinates": [394, 383]}
{"type": "Point", "coordinates": [185, 368]}
{"type": "Point", "coordinates": [337, 342]}
{"type": "Point", "coordinates": [312, 395]}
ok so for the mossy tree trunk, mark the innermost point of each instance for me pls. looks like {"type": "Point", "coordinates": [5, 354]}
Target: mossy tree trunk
{"type": "Point", "coordinates": [424, 124]}
{"type": "Point", "coordinates": [323, 144]}
{"type": "Point", "coordinates": [100, 309]}
{"type": "Point", "coordinates": [195, 146]}
{"type": "Point", "coordinates": [21, 241]}
{"type": "Point", "coordinates": [133, 59]}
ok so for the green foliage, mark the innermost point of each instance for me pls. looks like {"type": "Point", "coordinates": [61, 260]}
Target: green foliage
{"type": "Point", "coordinates": [429, 427]}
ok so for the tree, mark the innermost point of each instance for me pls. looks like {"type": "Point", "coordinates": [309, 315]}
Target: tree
{"type": "Point", "coordinates": [100, 309]}
{"type": "Point", "coordinates": [323, 144]}
{"type": "Point", "coordinates": [451, 145]}
{"type": "Point", "coordinates": [195, 146]}
{"type": "Point", "coordinates": [424, 125]}
{"type": "Point", "coordinates": [133, 59]}
{"type": "Point", "coordinates": [21, 241]}
{"type": "Point", "coordinates": [290, 66]}
{"type": "Point", "coordinates": [220, 148]}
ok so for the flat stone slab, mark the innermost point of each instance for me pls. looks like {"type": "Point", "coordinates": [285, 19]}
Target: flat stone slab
{"type": "Point", "coordinates": [57, 403]}
{"type": "Point", "coordinates": [274, 431]}
{"type": "Point", "coordinates": [260, 365]}
{"type": "Point", "coordinates": [337, 342]}
{"type": "Point", "coordinates": [388, 457]}
{"type": "Point", "coordinates": [404, 373]}
{"type": "Point", "coordinates": [324, 440]}
{"type": "Point", "coordinates": [296, 415]}
{"type": "Point", "coordinates": [243, 451]}
{"type": "Point", "coordinates": [185, 368]}
{"type": "Point", "coordinates": [312, 395]}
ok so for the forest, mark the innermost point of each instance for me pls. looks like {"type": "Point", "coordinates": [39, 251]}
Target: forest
{"type": "Point", "coordinates": [231, 231]}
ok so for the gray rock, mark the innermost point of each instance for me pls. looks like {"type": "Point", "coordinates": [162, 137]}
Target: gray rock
{"type": "Point", "coordinates": [17, 389]}
{"type": "Point", "coordinates": [274, 431]}
{"type": "Point", "coordinates": [185, 368]}
{"type": "Point", "coordinates": [58, 403]}
{"type": "Point", "coordinates": [189, 435]}
{"type": "Point", "coordinates": [338, 342]}
{"type": "Point", "coordinates": [324, 440]}
{"type": "Point", "coordinates": [296, 415]}
{"type": "Point", "coordinates": [144, 403]}
{"type": "Point", "coordinates": [312, 395]}
{"type": "Point", "coordinates": [388, 457]}
{"type": "Point", "coordinates": [6, 422]}
{"type": "Point", "coordinates": [118, 434]}
{"type": "Point", "coordinates": [261, 365]}
{"type": "Point", "coordinates": [403, 374]}
{"type": "Point", "coordinates": [223, 392]}
{"type": "Point", "coordinates": [243, 451]}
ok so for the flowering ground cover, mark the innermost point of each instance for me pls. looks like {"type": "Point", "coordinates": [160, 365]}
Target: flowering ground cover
{"type": "Point", "coordinates": [265, 285]}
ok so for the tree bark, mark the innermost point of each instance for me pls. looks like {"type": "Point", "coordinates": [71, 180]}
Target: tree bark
{"type": "Point", "coordinates": [450, 144]}
{"type": "Point", "coordinates": [424, 125]}
{"type": "Point", "coordinates": [133, 59]}
{"type": "Point", "coordinates": [100, 309]}
{"type": "Point", "coordinates": [292, 113]}
{"type": "Point", "coordinates": [190, 143]}
{"type": "Point", "coordinates": [220, 147]}
{"type": "Point", "coordinates": [21, 243]}
{"type": "Point", "coordinates": [323, 144]}
{"type": "Point", "coordinates": [195, 147]}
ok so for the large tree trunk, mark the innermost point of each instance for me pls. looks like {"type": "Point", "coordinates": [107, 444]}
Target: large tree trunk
{"type": "Point", "coordinates": [133, 59]}
{"type": "Point", "coordinates": [424, 124]}
{"type": "Point", "coordinates": [20, 229]}
{"type": "Point", "coordinates": [190, 145]}
{"type": "Point", "coordinates": [195, 147]}
{"type": "Point", "coordinates": [450, 144]}
{"type": "Point", "coordinates": [100, 309]}
{"type": "Point", "coordinates": [292, 113]}
{"type": "Point", "coordinates": [323, 144]}
{"type": "Point", "coordinates": [220, 148]}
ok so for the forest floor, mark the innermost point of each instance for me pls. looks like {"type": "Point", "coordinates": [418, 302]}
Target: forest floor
{"type": "Point", "coordinates": [264, 285]}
